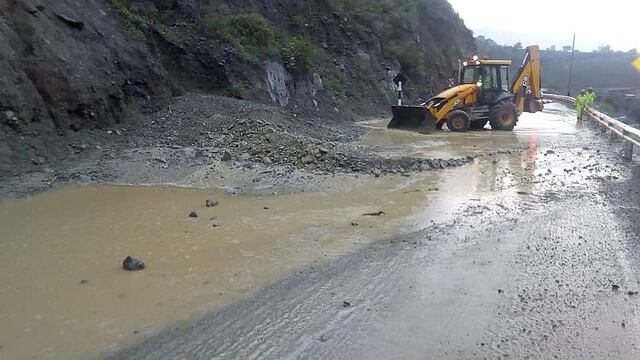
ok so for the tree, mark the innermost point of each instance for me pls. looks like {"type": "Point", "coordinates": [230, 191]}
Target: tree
{"type": "Point", "coordinates": [604, 48]}
{"type": "Point", "coordinates": [567, 48]}
{"type": "Point", "coordinates": [552, 48]}
{"type": "Point", "coordinates": [633, 51]}
{"type": "Point", "coordinates": [517, 46]}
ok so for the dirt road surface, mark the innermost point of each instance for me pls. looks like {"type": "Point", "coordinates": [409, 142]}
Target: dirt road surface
{"type": "Point", "coordinates": [530, 250]}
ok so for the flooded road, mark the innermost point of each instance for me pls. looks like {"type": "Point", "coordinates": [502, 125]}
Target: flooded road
{"type": "Point", "coordinates": [307, 275]}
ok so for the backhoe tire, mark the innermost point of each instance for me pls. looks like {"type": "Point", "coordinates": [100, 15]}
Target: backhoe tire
{"type": "Point", "coordinates": [503, 116]}
{"type": "Point", "coordinates": [478, 124]}
{"type": "Point", "coordinates": [458, 121]}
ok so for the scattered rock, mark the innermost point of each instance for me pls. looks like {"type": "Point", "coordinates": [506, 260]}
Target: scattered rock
{"type": "Point", "coordinates": [308, 159]}
{"type": "Point", "coordinates": [70, 21]}
{"type": "Point", "coordinates": [211, 203]}
{"type": "Point", "coordinates": [550, 152]}
{"type": "Point", "coordinates": [354, 224]}
{"type": "Point", "coordinates": [377, 172]}
{"type": "Point", "coordinates": [226, 156]}
{"type": "Point", "coordinates": [84, 282]}
{"type": "Point", "coordinates": [346, 304]}
{"type": "Point", "coordinates": [245, 156]}
{"type": "Point", "coordinates": [632, 292]}
{"type": "Point", "coordinates": [38, 161]}
{"type": "Point", "coordinates": [132, 263]}
{"type": "Point", "coordinates": [214, 221]}
{"type": "Point", "coordinates": [267, 160]}
{"type": "Point", "coordinates": [193, 214]}
{"type": "Point", "coordinates": [615, 287]}
{"type": "Point", "coordinates": [10, 118]}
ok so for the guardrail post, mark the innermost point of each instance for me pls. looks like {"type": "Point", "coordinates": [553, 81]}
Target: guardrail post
{"type": "Point", "coordinates": [628, 150]}
{"type": "Point", "coordinates": [612, 136]}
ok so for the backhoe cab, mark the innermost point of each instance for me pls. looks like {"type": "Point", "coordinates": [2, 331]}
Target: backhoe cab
{"type": "Point", "coordinates": [483, 95]}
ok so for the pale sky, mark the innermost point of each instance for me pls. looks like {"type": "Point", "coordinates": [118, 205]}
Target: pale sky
{"type": "Point", "coordinates": [552, 22]}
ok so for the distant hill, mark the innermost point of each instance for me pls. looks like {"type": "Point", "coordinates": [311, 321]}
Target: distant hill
{"type": "Point", "coordinates": [601, 70]}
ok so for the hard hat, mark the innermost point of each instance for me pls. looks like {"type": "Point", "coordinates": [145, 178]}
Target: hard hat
{"type": "Point", "coordinates": [583, 92]}
{"type": "Point", "coordinates": [590, 89]}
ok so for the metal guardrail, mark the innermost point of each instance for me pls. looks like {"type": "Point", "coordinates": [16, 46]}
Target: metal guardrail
{"type": "Point", "coordinates": [630, 134]}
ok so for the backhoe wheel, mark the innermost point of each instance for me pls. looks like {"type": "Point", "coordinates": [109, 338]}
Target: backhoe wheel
{"type": "Point", "coordinates": [478, 124]}
{"type": "Point", "coordinates": [458, 121]}
{"type": "Point", "coordinates": [503, 116]}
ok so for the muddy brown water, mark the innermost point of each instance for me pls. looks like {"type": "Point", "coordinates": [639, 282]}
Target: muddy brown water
{"type": "Point", "coordinates": [64, 295]}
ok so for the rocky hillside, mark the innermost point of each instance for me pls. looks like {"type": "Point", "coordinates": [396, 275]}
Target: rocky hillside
{"type": "Point", "coordinates": [69, 64]}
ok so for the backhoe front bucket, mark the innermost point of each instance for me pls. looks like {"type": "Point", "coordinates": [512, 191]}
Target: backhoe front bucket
{"type": "Point", "coordinates": [412, 117]}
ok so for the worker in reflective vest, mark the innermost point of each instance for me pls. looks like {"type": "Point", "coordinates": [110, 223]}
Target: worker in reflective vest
{"type": "Point", "coordinates": [591, 97]}
{"type": "Point", "coordinates": [581, 102]}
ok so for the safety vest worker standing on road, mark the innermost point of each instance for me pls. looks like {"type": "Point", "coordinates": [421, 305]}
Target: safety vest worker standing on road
{"type": "Point", "coordinates": [581, 102]}
{"type": "Point", "coordinates": [591, 97]}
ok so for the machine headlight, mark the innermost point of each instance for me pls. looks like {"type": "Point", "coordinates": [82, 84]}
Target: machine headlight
{"type": "Point", "coordinates": [475, 58]}
{"type": "Point", "coordinates": [477, 62]}
{"type": "Point", "coordinates": [465, 63]}
{"type": "Point", "coordinates": [479, 83]}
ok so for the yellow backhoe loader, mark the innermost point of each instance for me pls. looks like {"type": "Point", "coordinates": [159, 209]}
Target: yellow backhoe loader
{"type": "Point", "coordinates": [483, 95]}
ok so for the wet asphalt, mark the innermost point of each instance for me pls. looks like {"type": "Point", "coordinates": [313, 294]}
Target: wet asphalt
{"type": "Point", "coordinates": [544, 268]}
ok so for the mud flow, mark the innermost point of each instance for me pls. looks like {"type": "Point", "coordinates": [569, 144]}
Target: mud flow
{"type": "Point", "coordinates": [63, 293]}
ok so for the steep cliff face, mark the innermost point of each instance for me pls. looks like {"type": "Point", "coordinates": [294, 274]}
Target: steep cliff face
{"type": "Point", "coordinates": [65, 64]}
{"type": "Point", "coordinates": [69, 64]}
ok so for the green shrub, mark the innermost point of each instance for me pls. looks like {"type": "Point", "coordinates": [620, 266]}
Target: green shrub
{"type": "Point", "coordinates": [335, 82]}
{"type": "Point", "coordinates": [250, 34]}
{"type": "Point", "coordinates": [299, 54]}
{"type": "Point", "coordinates": [136, 22]}
{"type": "Point", "coordinates": [133, 33]}
{"type": "Point", "coordinates": [236, 91]}
{"type": "Point", "coordinates": [130, 16]}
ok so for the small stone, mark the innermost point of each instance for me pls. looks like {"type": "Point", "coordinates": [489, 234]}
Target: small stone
{"type": "Point", "coordinates": [549, 152]}
{"type": "Point", "coordinates": [10, 118]}
{"type": "Point", "coordinates": [245, 156]}
{"type": "Point", "coordinates": [615, 287]}
{"type": "Point", "coordinates": [267, 160]}
{"type": "Point", "coordinates": [377, 173]}
{"type": "Point", "coordinates": [214, 221]}
{"type": "Point", "coordinates": [308, 159]}
{"type": "Point", "coordinates": [226, 156]}
{"type": "Point", "coordinates": [354, 224]}
{"type": "Point", "coordinates": [193, 214]}
{"type": "Point", "coordinates": [84, 282]}
{"type": "Point", "coordinates": [38, 161]}
{"type": "Point", "coordinates": [211, 203]}
{"type": "Point", "coordinates": [132, 263]}
{"type": "Point", "coordinates": [346, 304]}
{"type": "Point", "coordinates": [632, 292]}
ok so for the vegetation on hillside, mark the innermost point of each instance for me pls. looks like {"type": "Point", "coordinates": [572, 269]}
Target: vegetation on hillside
{"type": "Point", "coordinates": [250, 34]}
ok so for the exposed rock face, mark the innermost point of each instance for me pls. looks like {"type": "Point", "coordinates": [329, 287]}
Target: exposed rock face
{"type": "Point", "coordinates": [277, 79]}
{"type": "Point", "coordinates": [66, 65]}
{"type": "Point", "coordinates": [69, 64]}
